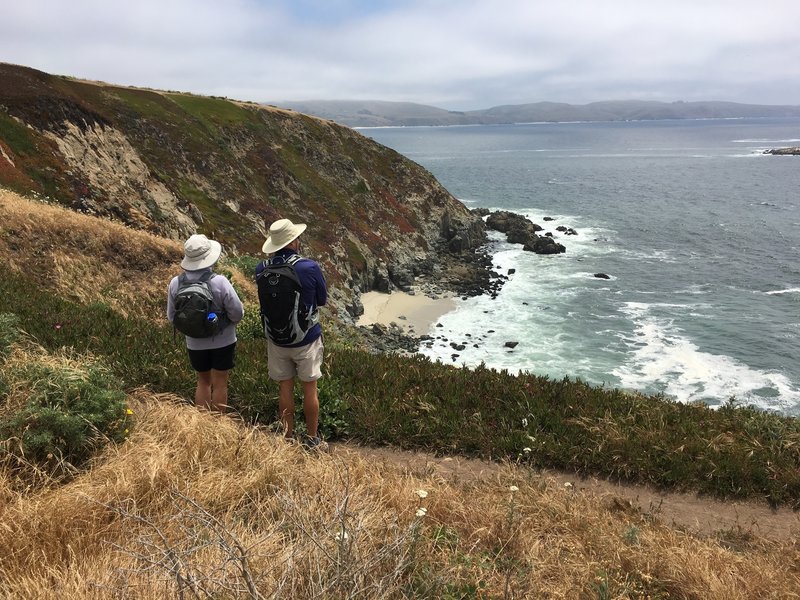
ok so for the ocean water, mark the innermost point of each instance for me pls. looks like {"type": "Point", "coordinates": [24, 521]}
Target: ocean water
{"type": "Point", "coordinates": [698, 230]}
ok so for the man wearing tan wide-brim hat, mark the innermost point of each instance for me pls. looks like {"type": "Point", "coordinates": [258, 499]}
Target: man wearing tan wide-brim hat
{"type": "Point", "coordinates": [294, 344]}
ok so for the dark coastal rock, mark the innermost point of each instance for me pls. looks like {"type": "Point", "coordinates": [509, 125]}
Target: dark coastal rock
{"type": "Point", "coordinates": [548, 219]}
{"type": "Point", "coordinates": [544, 245]}
{"type": "Point", "coordinates": [519, 236]}
{"type": "Point", "coordinates": [793, 151]}
{"type": "Point", "coordinates": [356, 308]}
{"type": "Point", "coordinates": [380, 278]}
{"type": "Point", "coordinates": [460, 235]}
{"type": "Point", "coordinates": [401, 276]}
{"type": "Point", "coordinates": [511, 344]}
{"type": "Point", "coordinates": [521, 230]}
{"type": "Point", "coordinates": [380, 339]}
{"type": "Point", "coordinates": [505, 221]}
{"type": "Point", "coordinates": [602, 276]}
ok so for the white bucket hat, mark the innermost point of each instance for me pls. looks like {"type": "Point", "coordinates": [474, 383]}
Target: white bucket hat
{"type": "Point", "coordinates": [200, 252]}
{"type": "Point", "coordinates": [281, 233]}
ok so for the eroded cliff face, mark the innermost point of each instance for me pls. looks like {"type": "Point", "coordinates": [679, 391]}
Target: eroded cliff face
{"type": "Point", "coordinates": [175, 164]}
{"type": "Point", "coordinates": [108, 162]}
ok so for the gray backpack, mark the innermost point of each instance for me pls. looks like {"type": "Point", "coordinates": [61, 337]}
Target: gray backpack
{"type": "Point", "coordinates": [194, 304]}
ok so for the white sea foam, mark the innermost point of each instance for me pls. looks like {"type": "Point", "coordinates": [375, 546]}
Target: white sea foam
{"type": "Point", "coordinates": [698, 289]}
{"type": "Point", "coordinates": [637, 347]}
{"type": "Point", "coordinates": [661, 356]}
{"type": "Point", "coordinates": [661, 256]}
{"type": "Point", "coordinates": [786, 291]}
{"type": "Point", "coordinates": [766, 141]}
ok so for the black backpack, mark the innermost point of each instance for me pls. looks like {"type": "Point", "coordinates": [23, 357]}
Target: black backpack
{"type": "Point", "coordinates": [285, 316]}
{"type": "Point", "coordinates": [193, 303]}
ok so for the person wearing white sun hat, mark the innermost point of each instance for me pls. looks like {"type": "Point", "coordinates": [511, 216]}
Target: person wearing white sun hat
{"type": "Point", "coordinates": [211, 357]}
{"type": "Point", "coordinates": [295, 354]}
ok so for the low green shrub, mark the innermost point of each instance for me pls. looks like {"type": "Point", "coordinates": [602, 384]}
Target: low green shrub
{"type": "Point", "coordinates": [68, 413]}
{"type": "Point", "coordinates": [250, 327]}
{"type": "Point", "coordinates": [334, 409]}
{"type": "Point", "coordinates": [246, 263]}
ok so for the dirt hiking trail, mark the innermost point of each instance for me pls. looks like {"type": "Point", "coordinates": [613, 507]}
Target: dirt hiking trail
{"type": "Point", "coordinates": [695, 514]}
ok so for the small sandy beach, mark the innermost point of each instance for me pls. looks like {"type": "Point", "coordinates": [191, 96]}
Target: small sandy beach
{"type": "Point", "coordinates": [414, 313]}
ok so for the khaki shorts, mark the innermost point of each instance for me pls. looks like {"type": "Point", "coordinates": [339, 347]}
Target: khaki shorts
{"type": "Point", "coordinates": [304, 362]}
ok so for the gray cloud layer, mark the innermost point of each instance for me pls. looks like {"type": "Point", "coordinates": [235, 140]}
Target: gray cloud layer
{"type": "Point", "coordinates": [458, 54]}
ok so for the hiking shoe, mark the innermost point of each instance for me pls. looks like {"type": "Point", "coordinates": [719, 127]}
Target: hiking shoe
{"type": "Point", "coordinates": [314, 444]}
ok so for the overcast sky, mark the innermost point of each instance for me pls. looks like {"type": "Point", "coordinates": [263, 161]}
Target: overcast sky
{"type": "Point", "coordinates": [455, 54]}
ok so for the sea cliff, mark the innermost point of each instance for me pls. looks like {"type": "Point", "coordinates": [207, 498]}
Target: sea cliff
{"type": "Point", "coordinates": [174, 164]}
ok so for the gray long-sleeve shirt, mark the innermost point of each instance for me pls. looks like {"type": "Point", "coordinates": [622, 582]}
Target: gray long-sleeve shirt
{"type": "Point", "coordinates": [225, 297]}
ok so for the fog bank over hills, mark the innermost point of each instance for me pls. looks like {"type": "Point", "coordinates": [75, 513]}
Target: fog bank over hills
{"type": "Point", "coordinates": [375, 113]}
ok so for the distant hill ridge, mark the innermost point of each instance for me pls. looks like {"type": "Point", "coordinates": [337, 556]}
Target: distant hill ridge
{"type": "Point", "coordinates": [355, 113]}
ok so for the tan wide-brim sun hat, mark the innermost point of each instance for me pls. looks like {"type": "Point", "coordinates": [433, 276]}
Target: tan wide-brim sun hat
{"type": "Point", "coordinates": [281, 233]}
{"type": "Point", "coordinates": [199, 252]}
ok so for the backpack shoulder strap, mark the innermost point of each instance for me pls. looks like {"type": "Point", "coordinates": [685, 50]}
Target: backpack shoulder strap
{"type": "Point", "coordinates": [261, 268]}
{"type": "Point", "coordinates": [208, 275]}
{"type": "Point", "coordinates": [285, 267]}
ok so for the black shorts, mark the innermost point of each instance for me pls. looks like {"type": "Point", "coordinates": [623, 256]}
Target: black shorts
{"type": "Point", "coordinates": [219, 359]}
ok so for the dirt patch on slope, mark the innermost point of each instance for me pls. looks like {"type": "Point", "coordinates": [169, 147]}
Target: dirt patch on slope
{"type": "Point", "coordinates": [730, 520]}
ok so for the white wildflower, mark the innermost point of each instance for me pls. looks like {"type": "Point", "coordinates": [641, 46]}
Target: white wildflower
{"type": "Point", "coordinates": [568, 485]}
{"type": "Point", "coordinates": [513, 489]}
{"type": "Point", "coordinates": [526, 450]}
{"type": "Point", "coordinates": [342, 536]}
{"type": "Point", "coordinates": [422, 511]}
{"type": "Point", "coordinates": [524, 422]}
{"type": "Point", "coordinates": [421, 493]}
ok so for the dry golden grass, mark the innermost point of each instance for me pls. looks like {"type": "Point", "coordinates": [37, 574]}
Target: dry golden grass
{"type": "Point", "coordinates": [224, 510]}
{"type": "Point", "coordinates": [87, 259]}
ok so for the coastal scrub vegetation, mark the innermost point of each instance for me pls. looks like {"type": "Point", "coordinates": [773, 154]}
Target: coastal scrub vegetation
{"type": "Point", "coordinates": [123, 489]}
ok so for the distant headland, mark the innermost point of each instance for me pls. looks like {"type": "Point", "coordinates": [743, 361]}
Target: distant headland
{"type": "Point", "coordinates": [375, 113]}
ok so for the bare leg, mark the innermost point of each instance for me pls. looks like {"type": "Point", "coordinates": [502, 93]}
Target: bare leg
{"type": "Point", "coordinates": [311, 407]}
{"type": "Point", "coordinates": [219, 390]}
{"type": "Point", "coordinates": [286, 405]}
{"type": "Point", "coordinates": [202, 393]}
